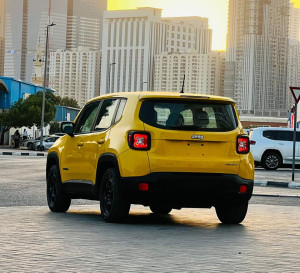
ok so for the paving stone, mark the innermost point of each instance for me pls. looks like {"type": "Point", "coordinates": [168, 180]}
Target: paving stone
{"type": "Point", "coordinates": [190, 240]}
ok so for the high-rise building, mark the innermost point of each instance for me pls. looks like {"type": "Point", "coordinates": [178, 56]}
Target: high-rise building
{"type": "Point", "coordinates": [133, 38]}
{"type": "Point", "coordinates": [294, 23]}
{"type": "Point", "coordinates": [2, 34]}
{"type": "Point", "coordinates": [294, 52]}
{"type": "Point", "coordinates": [257, 56]}
{"type": "Point", "coordinates": [203, 73]}
{"type": "Point", "coordinates": [26, 22]}
{"type": "Point", "coordinates": [23, 20]}
{"type": "Point", "coordinates": [15, 38]}
{"type": "Point", "coordinates": [84, 26]}
{"type": "Point", "coordinates": [75, 73]}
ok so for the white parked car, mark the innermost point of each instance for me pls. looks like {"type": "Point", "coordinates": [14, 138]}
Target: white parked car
{"type": "Point", "coordinates": [272, 147]}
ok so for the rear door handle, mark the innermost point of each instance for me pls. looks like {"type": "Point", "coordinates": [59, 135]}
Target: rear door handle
{"type": "Point", "coordinates": [80, 144]}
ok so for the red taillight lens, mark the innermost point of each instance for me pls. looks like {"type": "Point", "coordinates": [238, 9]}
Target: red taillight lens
{"type": "Point", "coordinates": [243, 145]}
{"type": "Point", "coordinates": [243, 189]}
{"type": "Point", "coordinates": [144, 187]}
{"type": "Point", "coordinates": [139, 140]}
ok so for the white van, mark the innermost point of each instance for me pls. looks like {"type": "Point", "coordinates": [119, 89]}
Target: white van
{"type": "Point", "coordinates": [272, 147]}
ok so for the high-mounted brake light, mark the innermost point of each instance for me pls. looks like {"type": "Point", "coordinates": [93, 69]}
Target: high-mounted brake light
{"type": "Point", "coordinates": [243, 144]}
{"type": "Point", "coordinates": [139, 140]}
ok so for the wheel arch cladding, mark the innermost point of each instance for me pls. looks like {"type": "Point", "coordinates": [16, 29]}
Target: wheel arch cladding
{"type": "Point", "coordinates": [271, 151]}
{"type": "Point", "coordinates": [105, 162]}
{"type": "Point", "coordinates": [52, 159]}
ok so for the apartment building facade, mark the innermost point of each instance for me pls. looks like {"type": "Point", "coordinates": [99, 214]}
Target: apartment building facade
{"type": "Point", "coordinates": [257, 56]}
{"type": "Point", "coordinates": [202, 73]}
{"type": "Point", "coordinates": [25, 27]}
{"type": "Point", "coordinates": [2, 34]}
{"type": "Point", "coordinates": [84, 25]}
{"type": "Point", "coordinates": [133, 38]}
{"type": "Point", "coordinates": [75, 73]}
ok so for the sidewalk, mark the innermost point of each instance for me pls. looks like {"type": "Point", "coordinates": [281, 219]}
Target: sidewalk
{"type": "Point", "coordinates": [23, 151]}
{"type": "Point", "coordinates": [280, 178]}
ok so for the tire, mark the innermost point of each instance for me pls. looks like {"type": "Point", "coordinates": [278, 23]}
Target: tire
{"type": "Point", "coordinates": [113, 205]}
{"type": "Point", "coordinates": [58, 200]}
{"type": "Point", "coordinates": [156, 209]}
{"type": "Point", "coordinates": [271, 161]}
{"type": "Point", "coordinates": [39, 148]}
{"type": "Point", "coordinates": [233, 213]}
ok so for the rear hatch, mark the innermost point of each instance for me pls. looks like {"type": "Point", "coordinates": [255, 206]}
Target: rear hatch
{"type": "Point", "coordinates": [191, 135]}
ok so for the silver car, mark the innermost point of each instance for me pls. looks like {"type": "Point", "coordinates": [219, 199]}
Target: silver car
{"type": "Point", "coordinates": [47, 143]}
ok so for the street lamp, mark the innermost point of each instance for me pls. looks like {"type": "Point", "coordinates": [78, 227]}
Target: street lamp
{"type": "Point", "coordinates": [110, 65]}
{"type": "Point", "coordinates": [143, 85]}
{"type": "Point", "coordinates": [44, 85]}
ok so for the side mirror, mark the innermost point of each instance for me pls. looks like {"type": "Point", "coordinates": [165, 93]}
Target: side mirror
{"type": "Point", "coordinates": [67, 127]}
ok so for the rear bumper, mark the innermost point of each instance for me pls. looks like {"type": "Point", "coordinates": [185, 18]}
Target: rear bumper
{"type": "Point", "coordinates": [187, 189]}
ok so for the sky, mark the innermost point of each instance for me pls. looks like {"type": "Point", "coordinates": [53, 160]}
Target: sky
{"type": "Point", "coordinates": [215, 10]}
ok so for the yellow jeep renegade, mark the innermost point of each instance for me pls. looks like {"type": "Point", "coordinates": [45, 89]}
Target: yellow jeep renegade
{"type": "Point", "coordinates": [163, 150]}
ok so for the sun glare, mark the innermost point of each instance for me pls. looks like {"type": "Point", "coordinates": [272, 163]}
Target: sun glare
{"type": "Point", "coordinates": [214, 10]}
{"type": "Point", "coordinates": [297, 3]}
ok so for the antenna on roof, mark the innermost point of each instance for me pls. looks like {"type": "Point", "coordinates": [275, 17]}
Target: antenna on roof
{"type": "Point", "coordinates": [182, 89]}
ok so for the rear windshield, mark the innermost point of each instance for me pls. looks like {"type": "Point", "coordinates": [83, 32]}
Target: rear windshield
{"type": "Point", "coordinates": [189, 115]}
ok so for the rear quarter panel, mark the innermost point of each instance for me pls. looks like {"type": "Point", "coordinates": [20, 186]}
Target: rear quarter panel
{"type": "Point", "coordinates": [131, 162]}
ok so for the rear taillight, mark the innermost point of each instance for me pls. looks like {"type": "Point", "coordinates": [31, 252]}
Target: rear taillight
{"type": "Point", "coordinates": [252, 142]}
{"type": "Point", "coordinates": [139, 140]}
{"type": "Point", "coordinates": [243, 144]}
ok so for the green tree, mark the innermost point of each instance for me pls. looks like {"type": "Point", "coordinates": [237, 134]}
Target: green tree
{"type": "Point", "coordinates": [66, 101]}
{"type": "Point", "coordinates": [54, 127]}
{"type": "Point", "coordinates": [28, 112]}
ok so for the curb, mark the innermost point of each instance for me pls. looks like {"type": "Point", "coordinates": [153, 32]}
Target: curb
{"type": "Point", "coordinates": [291, 185]}
{"type": "Point", "coordinates": [23, 154]}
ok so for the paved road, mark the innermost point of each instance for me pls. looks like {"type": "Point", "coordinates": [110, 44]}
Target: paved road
{"type": "Point", "coordinates": [190, 240]}
{"type": "Point", "coordinates": [22, 181]}
{"type": "Point", "coordinates": [36, 240]}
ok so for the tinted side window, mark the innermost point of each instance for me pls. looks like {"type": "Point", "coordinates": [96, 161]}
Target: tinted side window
{"type": "Point", "coordinates": [285, 135]}
{"type": "Point", "coordinates": [270, 134]}
{"type": "Point", "coordinates": [106, 114]}
{"type": "Point", "coordinates": [87, 117]}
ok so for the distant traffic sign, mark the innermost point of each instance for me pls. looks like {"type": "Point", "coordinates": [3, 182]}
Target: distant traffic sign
{"type": "Point", "coordinates": [296, 93]}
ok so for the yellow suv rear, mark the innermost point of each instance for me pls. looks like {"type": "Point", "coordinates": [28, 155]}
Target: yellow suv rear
{"type": "Point", "coordinates": [163, 150]}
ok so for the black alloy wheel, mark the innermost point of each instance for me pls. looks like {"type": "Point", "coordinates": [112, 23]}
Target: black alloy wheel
{"type": "Point", "coordinates": [108, 195]}
{"type": "Point", "coordinates": [58, 200]}
{"type": "Point", "coordinates": [113, 204]}
{"type": "Point", "coordinates": [232, 213]}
